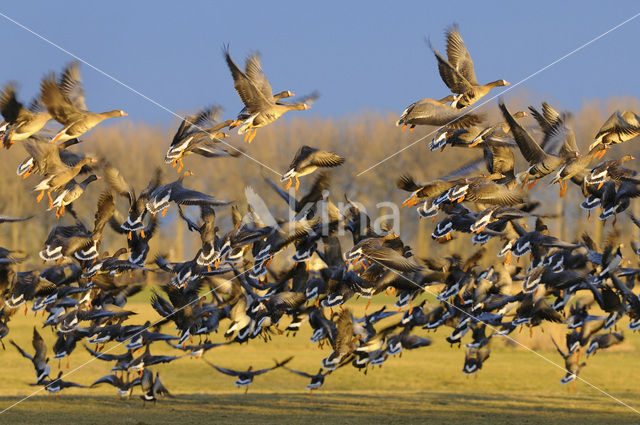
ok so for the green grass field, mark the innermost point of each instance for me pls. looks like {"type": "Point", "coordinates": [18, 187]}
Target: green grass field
{"type": "Point", "coordinates": [424, 385]}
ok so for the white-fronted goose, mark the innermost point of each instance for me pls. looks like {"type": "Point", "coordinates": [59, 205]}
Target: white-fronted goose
{"type": "Point", "coordinates": [65, 102]}
{"type": "Point", "coordinates": [19, 122]}
{"type": "Point", "coordinates": [255, 91]}
{"type": "Point", "coordinates": [198, 134]}
{"type": "Point", "coordinates": [162, 196]}
{"type": "Point", "coordinates": [72, 191]}
{"type": "Point", "coordinates": [245, 378]}
{"type": "Point", "coordinates": [153, 389]}
{"type": "Point", "coordinates": [307, 160]}
{"type": "Point", "coordinates": [541, 163]}
{"type": "Point", "coordinates": [39, 359]}
{"type": "Point", "coordinates": [56, 173]}
{"type": "Point", "coordinates": [458, 74]}
{"type": "Point", "coordinates": [437, 113]}
{"type": "Point", "coordinates": [620, 127]}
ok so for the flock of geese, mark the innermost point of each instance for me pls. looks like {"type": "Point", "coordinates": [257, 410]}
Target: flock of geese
{"type": "Point", "coordinates": [230, 283]}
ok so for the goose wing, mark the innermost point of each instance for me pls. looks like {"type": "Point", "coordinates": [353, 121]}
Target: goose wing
{"type": "Point", "coordinates": [459, 56]}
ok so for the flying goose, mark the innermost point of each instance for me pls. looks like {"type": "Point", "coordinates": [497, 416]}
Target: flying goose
{"type": "Point", "coordinates": [65, 102]}
{"type": "Point", "coordinates": [458, 74]}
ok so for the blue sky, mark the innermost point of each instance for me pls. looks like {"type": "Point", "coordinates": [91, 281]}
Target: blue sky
{"type": "Point", "coordinates": [360, 55]}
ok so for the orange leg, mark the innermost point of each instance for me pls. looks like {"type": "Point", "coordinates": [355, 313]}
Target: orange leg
{"type": "Point", "coordinates": [39, 198]}
{"type": "Point", "coordinates": [181, 164]}
{"type": "Point", "coordinates": [403, 127]}
{"type": "Point", "coordinates": [253, 135]}
{"type": "Point", "coordinates": [297, 183]}
{"type": "Point", "coordinates": [289, 184]}
{"type": "Point", "coordinates": [50, 199]}
{"type": "Point", "coordinates": [142, 234]}
{"type": "Point", "coordinates": [164, 211]}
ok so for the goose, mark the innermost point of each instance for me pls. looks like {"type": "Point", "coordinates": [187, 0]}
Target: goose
{"type": "Point", "coordinates": [540, 162]}
{"type": "Point", "coordinates": [198, 134]}
{"type": "Point", "coordinates": [39, 359]}
{"type": "Point", "coordinates": [56, 173]}
{"type": "Point", "coordinates": [124, 387]}
{"type": "Point", "coordinates": [620, 127]}
{"type": "Point", "coordinates": [572, 365]}
{"type": "Point", "coordinates": [137, 204]}
{"type": "Point", "coordinates": [457, 71]}
{"type": "Point", "coordinates": [72, 191]}
{"type": "Point", "coordinates": [160, 198]}
{"type": "Point", "coordinates": [255, 91]}
{"type": "Point", "coordinates": [19, 122]}
{"type": "Point", "coordinates": [306, 161]}
{"type": "Point", "coordinates": [152, 388]}
{"type": "Point", "coordinates": [65, 102]}
{"type": "Point", "coordinates": [245, 378]}
{"type": "Point", "coordinates": [56, 385]}
{"type": "Point", "coordinates": [437, 113]}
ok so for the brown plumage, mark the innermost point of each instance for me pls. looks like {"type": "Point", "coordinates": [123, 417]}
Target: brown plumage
{"type": "Point", "coordinates": [19, 122]}
{"type": "Point", "coordinates": [458, 74]}
{"type": "Point", "coordinates": [66, 104]}
{"type": "Point", "coordinates": [254, 89]}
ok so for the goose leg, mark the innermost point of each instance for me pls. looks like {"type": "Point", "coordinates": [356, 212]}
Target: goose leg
{"type": "Point", "coordinates": [142, 234]}
{"type": "Point", "coordinates": [404, 126]}
{"type": "Point", "coordinates": [297, 183]}
{"type": "Point", "coordinates": [289, 184]}
{"type": "Point", "coordinates": [164, 211]}
{"type": "Point", "coordinates": [253, 135]}
{"type": "Point", "coordinates": [50, 199]}
{"type": "Point", "coordinates": [181, 164]}
{"type": "Point", "coordinates": [39, 198]}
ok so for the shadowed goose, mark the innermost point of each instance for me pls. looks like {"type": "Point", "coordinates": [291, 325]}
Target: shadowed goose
{"type": "Point", "coordinates": [317, 380]}
{"type": "Point", "coordinates": [437, 113]}
{"type": "Point", "coordinates": [198, 134]}
{"type": "Point", "coordinates": [152, 388]}
{"type": "Point", "coordinates": [541, 163]}
{"type": "Point", "coordinates": [611, 170]}
{"type": "Point", "coordinates": [65, 102]}
{"type": "Point", "coordinates": [39, 359]}
{"type": "Point", "coordinates": [137, 204]}
{"type": "Point", "coordinates": [56, 385]}
{"type": "Point", "coordinates": [620, 127]}
{"type": "Point", "coordinates": [25, 286]}
{"type": "Point", "coordinates": [307, 160]}
{"type": "Point", "coordinates": [124, 387]}
{"type": "Point", "coordinates": [147, 359]}
{"type": "Point", "coordinates": [245, 378]}
{"type": "Point", "coordinates": [570, 363]}
{"type": "Point", "coordinates": [19, 122]}
{"type": "Point", "coordinates": [72, 191]}
{"type": "Point", "coordinates": [474, 359]}
{"type": "Point", "coordinates": [256, 94]}
{"type": "Point", "coordinates": [343, 341]}
{"type": "Point", "coordinates": [56, 173]}
{"type": "Point", "coordinates": [600, 342]}
{"type": "Point", "coordinates": [207, 254]}
{"type": "Point", "coordinates": [458, 74]}
{"type": "Point", "coordinates": [160, 198]}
